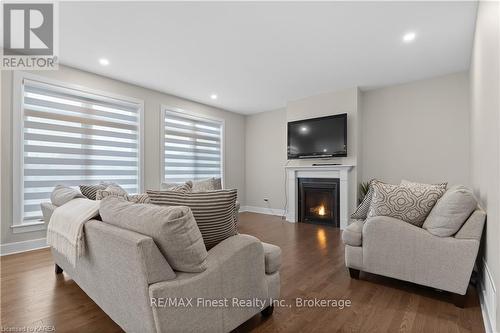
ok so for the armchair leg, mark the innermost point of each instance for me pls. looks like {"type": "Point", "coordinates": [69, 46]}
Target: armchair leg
{"type": "Point", "coordinates": [459, 300]}
{"type": "Point", "coordinates": [354, 273]}
{"type": "Point", "coordinates": [268, 311]}
{"type": "Point", "coordinates": [58, 269]}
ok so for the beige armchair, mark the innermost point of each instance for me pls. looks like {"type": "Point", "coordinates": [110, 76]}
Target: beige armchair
{"type": "Point", "coordinates": [391, 247]}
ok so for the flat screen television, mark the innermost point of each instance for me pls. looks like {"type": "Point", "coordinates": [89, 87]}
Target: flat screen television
{"type": "Point", "coordinates": [318, 137]}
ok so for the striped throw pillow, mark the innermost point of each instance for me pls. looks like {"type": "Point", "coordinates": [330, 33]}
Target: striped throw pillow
{"type": "Point", "coordinates": [90, 191]}
{"type": "Point", "coordinates": [213, 211]}
{"type": "Point", "coordinates": [363, 208]}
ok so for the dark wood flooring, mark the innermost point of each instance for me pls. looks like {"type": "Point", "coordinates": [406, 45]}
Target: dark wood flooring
{"type": "Point", "coordinates": [313, 266]}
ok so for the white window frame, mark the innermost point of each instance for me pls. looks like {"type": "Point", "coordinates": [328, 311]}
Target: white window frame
{"type": "Point", "coordinates": [195, 116]}
{"type": "Point", "coordinates": [18, 225]}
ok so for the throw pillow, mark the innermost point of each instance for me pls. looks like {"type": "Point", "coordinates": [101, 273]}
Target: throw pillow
{"type": "Point", "coordinates": [62, 194]}
{"type": "Point", "coordinates": [185, 187]}
{"type": "Point", "coordinates": [410, 203]}
{"type": "Point", "coordinates": [210, 184]}
{"type": "Point", "coordinates": [173, 229]}
{"type": "Point", "coordinates": [90, 191]}
{"type": "Point", "coordinates": [407, 182]}
{"type": "Point", "coordinates": [214, 211]}
{"type": "Point", "coordinates": [450, 212]}
{"type": "Point", "coordinates": [136, 198]}
{"type": "Point", "coordinates": [114, 190]}
{"type": "Point", "coordinates": [363, 208]}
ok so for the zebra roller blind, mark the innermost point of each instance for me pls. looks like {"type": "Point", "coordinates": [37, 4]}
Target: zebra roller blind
{"type": "Point", "coordinates": [73, 137]}
{"type": "Point", "coordinates": [192, 147]}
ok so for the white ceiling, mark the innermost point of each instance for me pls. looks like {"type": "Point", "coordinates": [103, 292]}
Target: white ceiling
{"type": "Point", "coordinates": [257, 56]}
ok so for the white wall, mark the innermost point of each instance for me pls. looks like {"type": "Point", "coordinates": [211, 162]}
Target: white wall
{"type": "Point", "coordinates": [417, 131]}
{"type": "Point", "coordinates": [485, 144]}
{"type": "Point", "coordinates": [234, 156]}
{"type": "Point", "coordinates": [265, 150]}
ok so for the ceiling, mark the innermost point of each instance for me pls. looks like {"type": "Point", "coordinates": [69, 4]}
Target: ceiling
{"type": "Point", "coordinates": [257, 56]}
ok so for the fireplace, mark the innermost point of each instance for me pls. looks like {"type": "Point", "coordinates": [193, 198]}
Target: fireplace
{"type": "Point", "coordinates": [319, 201]}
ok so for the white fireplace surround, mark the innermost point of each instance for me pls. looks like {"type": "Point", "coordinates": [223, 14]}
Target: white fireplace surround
{"type": "Point", "coordinates": [320, 171]}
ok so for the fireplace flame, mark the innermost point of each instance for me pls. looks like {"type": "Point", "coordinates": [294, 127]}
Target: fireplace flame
{"type": "Point", "coordinates": [318, 210]}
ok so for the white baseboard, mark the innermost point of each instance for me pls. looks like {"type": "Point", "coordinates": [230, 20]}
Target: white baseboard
{"type": "Point", "coordinates": [29, 245]}
{"type": "Point", "coordinates": [262, 210]}
{"type": "Point", "coordinates": [487, 298]}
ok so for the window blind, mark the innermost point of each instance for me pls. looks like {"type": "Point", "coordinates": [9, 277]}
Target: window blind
{"type": "Point", "coordinates": [72, 137]}
{"type": "Point", "coordinates": [192, 147]}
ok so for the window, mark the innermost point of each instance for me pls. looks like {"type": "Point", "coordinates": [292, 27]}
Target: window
{"type": "Point", "coordinates": [191, 148]}
{"type": "Point", "coordinates": [72, 136]}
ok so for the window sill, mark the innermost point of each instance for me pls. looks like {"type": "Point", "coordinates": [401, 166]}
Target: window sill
{"type": "Point", "coordinates": [28, 227]}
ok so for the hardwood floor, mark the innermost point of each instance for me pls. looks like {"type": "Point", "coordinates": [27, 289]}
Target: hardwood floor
{"type": "Point", "coordinates": [313, 266]}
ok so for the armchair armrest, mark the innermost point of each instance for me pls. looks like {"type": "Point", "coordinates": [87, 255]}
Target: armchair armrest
{"type": "Point", "coordinates": [473, 227]}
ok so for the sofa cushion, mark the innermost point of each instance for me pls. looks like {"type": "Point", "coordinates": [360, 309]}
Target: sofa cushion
{"type": "Point", "coordinates": [450, 212]}
{"type": "Point", "coordinates": [353, 234]}
{"type": "Point", "coordinates": [410, 202]}
{"type": "Point", "coordinates": [173, 229]}
{"type": "Point", "coordinates": [214, 211]}
{"type": "Point", "coordinates": [272, 257]}
{"type": "Point", "coordinates": [62, 194]}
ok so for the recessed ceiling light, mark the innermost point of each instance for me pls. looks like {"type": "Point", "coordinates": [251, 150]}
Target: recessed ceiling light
{"type": "Point", "coordinates": [213, 96]}
{"type": "Point", "coordinates": [409, 37]}
{"type": "Point", "coordinates": [104, 61]}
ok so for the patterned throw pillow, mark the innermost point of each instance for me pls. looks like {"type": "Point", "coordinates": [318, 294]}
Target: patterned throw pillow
{"type": "Point", "coordinates": [112, 192]}
{"type": "Point", "coordinates": [409, 202]}
{"type": "Point", "coordinates": [210, 184]}
{"type": "Point", "coordinates": [363, 208]}
{"type": "Point", "coordinates": [407, 182]}
{"type": "Point", "coordinates": [183, 188]}
{"type": "Point", "coordinates": [214, 211]}
{"type": "Point", "coordinates": [90, 191]}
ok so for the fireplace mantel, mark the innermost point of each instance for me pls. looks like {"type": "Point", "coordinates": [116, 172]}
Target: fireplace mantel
{"type": "Point", "coordinates": [319, 171]}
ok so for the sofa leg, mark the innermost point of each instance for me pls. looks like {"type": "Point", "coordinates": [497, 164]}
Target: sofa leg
{"type": "Point", "coordinates": [354, 273]}
{"type": "Point", "coordinates": [268, 311]}
{"type": "Point", "coordinates": [459, 300]}
{"type": "Point", "coordinates": [58, 269]}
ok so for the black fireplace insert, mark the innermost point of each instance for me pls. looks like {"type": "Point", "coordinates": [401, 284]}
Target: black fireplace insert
{"type": "Point", "coordinates": [318, 201]}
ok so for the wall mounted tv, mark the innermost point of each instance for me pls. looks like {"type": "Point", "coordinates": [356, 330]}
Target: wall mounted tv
{"type": "Point", "coordinates": [318, 137]}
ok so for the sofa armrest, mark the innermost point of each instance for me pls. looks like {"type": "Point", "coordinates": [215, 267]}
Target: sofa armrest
{"type": "Point", "coordinates": [353, 234]}
{"type": "Point", "coordinates": [47, 210]}
{"type": "Point", "coordinates": [473, 227]}
{"type": "Point", "coordinates": [235, 269]}
{"type": "Point", "coordinates": [398, 249]}
{"type": "Point", "coordinates": [116, 271]}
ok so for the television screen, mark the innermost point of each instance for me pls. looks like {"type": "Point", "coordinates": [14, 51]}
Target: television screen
{"type": "Point", "coordinates": [318, 137]}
